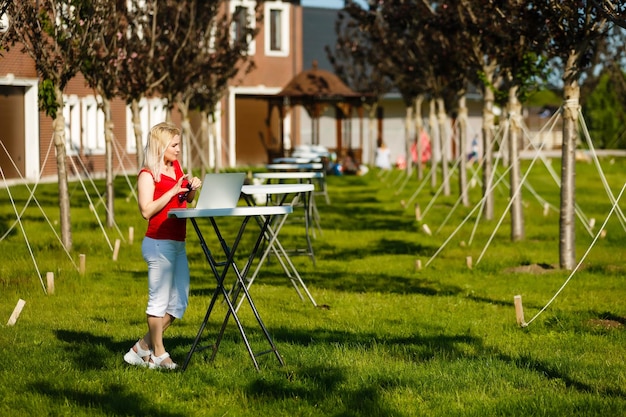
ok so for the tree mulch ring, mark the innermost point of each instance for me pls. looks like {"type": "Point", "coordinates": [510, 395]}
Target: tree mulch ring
{"type": "Point", "coordinates": [607, 323]}
{"type": "Point", "coordinates": [533, 269]}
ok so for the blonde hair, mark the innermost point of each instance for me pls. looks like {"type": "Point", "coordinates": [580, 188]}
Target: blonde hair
{"type": "Point", "coordinates": [159, 139]}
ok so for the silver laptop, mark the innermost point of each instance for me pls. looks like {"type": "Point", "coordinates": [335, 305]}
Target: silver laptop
{"type": "Point", "coordinates": [220, 190]}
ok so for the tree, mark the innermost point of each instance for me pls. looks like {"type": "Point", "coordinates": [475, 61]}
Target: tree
{"type": "Point", "coordinates": [224, 58]}
{"type": "Point", "coordinates": [99, 67]}
{"type": "Point", "coordinates": [354, 60]}
{"type": "Point", "coordinates": [191, 55]}
{"type": "Point", "coordinates": [140, 66]}
{"type": "Point", "coordinates": [54, 33]}
{"type": "Point", "coordinates": [575, 30]}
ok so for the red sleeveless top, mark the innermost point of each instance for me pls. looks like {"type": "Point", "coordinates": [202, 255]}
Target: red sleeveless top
{"type": "Point", "coordinates": [159, 225]}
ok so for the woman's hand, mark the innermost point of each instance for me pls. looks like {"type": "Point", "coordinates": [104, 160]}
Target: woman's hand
{"type": "Point", "coordinates": [194, 183]}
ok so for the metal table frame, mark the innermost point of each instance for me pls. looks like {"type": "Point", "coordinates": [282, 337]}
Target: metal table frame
{"type": "Point", "coordinates": [265, 213]}
{"type": "Point", "coordinates": [311, 218]}
{"type": "Point", "coordinates": [281, 192]}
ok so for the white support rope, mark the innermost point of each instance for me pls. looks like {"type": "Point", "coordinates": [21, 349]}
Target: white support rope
{"type": "Point", "coordinates": [32, 197]}
{"type": "Point", "coordinates": [605, 183]}
{"type": "Point", "coordinates": [121, 162]}
{"type": "Point", "coordinates": [30, 250]}
{"type": "Point", "coordinates": [557, 180]}
{"type": "Point", "coordinates": [419, 188]}
{"type": "Point", "coordinates": [613, 208]}
{"type": "Point", "coordinates": [100, 197]}
{"type": "Point", "coordinates": [508, 206]}
{"type": "Point", "coordinates": [451, 172]}
{"type": "Point", "coordinates": [91, 203]}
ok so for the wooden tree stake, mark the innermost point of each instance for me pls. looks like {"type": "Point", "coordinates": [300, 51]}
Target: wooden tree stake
{"type": "Point", "coordinates": [116, 250]}
{"type": "Point", "coordinates": [16, 312]}
{"type": "Point", "coordinates": [131, 234]}
{"type": "Point", "coordinates": [418, 264]}
{"type": "Point", "coordinates": [418, 213]}
{"type": "Point", "coordinates": [468, 262]}
{"type": "Point", "coordinates": [81, 267]}
{"type": "Point", "coordinates": [519, 310]}
{"type": "Point", "coordinates": [546, 209]}
{"type": "Point", "coordinates": [50, 280]}
{"type": "Point", "coordinates": [426, 229]}
{"type": "Point", "coordinates": [592, 222]}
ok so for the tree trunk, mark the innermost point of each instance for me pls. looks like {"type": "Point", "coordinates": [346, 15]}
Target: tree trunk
{"type": "Point", "coordinates": [108, 143]}
{"type": "Point", "coordinates": [462, 118]}
{"type": "Point", "coordinates": [216, 144]}
{"type": "Point", "coordinates": [445, 146]}
{"type": "Point", "coordinates": [372, 132]}
{"type": "Point", "coordinates": [567, 234]}
{"type": "Point", "coordinates": [64, 200]}
{"type": "Point", "coordinates": [136, 119]}
{"type": "Point", "coordinates": [183, 107]}
{"type": "Point", "coordinates": [418, 132]}
{"type": "Point", "coordinates": [408, 139]}
{"type": "Point", "coordinates": [204, 140]}
{"type": "Point", "coordinates": [517, 218]}
{"type": "Point", "coordinates": [435, 154]}
{"type": "Point", "coordinates": [487, 157]}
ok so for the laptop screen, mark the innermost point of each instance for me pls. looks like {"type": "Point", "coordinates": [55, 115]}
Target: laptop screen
{"type": "Point", "coordinates": [220, 190]}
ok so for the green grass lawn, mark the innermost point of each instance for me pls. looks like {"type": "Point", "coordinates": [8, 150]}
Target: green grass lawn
{"type": "Point", "coordinates": [388, 339]}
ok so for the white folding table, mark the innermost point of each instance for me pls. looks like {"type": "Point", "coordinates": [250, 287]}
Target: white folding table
{"type": "Point", "coordinates": [311, 213]}
{"type": "Point", "coordinates": [281, 193]}
{"type": "Point", "coordinates": [295, 166]}
{"type": "Point", "coordinates": [244, 213]}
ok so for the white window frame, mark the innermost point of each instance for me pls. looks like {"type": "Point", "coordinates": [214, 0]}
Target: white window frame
{"type": "Point", "coordinates": [285, 35]}
{"type": "Point", "coordinates": [4, 23]}
{"type": "Point", "coordinates": [249, 5]}
{"type": "Point", "coordinates": [151, 112]}
{"type": "Point", "coordinates": [93, 126]}
{"type": "Point", "coordinates": [71, 114]}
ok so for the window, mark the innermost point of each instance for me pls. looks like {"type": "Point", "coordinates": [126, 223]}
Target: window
{"type": "Point", "coordinates": [4, 23]}
{"type": "Point", "coordinates": [242, 12]}
{"type": "Point", "coordinates": [93, 126]}
{"type": "Point", "coordinates": [151, 112]}
{"type": "Point", "coordinates": [71, 114]}
{"type": "Point", "coordinates": [276, 28]}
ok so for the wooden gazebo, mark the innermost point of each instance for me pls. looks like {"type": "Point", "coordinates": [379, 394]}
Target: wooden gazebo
{"type": "Point", "coordinates": [316, 89]}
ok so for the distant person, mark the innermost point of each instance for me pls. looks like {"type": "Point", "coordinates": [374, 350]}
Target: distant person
{"type": "Point", "coordinates": [162, 186]}
{"type": "Point", "coordinates": [425, 145]}
{"type": "Point", "coordinates": [383, 155]}
{"type": "Point", "coordinates": [473, 155]}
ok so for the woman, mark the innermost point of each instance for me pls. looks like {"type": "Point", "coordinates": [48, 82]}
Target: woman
{"type": "Point", "coordinates": [383, 155]}
{"type": "Point", "coordinates": [163, 186]}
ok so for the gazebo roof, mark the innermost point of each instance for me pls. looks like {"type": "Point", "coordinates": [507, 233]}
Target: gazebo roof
{"type": "Point", "coordinates": [318, 86]}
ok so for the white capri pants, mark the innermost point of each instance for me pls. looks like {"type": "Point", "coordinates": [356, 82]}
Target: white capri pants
{"type": "Point", "coordinates": [168, 277]}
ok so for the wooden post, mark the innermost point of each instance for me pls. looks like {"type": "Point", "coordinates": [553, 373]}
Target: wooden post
{"type": "Point", "coordinates": [116, 250]}
{"type": "Point", "coordinates": [50, 280]}
{"type": "Point", "coordinates": [418, 213]}
{"type": "Point", "coordinates": [131, 235]}
{"type": "Point", "coordinates": [81, 267]}
{"type": "Point", "coordinates": [418, 264]}
{"type": "Point", "coordinates": [592, 222]}
{"type": "Point", "coordinates": [546, 209]}
{"type": "Point", "coordinates": [468, 262]}
{"type": "Point", "coordinates": [519, 310]}
{"type": "Point", "coordinates": [16, 312]}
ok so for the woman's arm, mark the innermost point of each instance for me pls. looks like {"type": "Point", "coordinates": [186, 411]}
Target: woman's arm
{"type": "Point", "coordinates": [145, 188]}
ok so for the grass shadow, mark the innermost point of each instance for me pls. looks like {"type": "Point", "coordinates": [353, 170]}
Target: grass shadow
{"type": "Point", "coordinates": [113, 401]}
